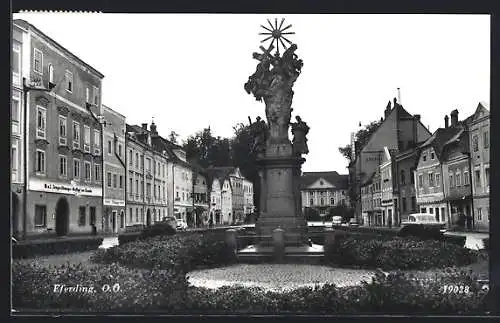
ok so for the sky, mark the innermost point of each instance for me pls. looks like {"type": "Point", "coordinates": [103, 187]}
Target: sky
{"type": "Point", "coordinates": [187, 71]}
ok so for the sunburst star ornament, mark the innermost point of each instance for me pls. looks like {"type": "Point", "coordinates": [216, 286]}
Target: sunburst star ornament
{"type": "Point", "coordinates": [276, 34]}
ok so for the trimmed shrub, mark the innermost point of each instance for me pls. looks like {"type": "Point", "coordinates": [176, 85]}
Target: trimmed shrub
{"type": "Point", "coordinates": [458, 240]}
{"type": "Point", "coordinates": [27, 248]}
{"type": "Point", "coordinates": [421, 231]}
{"type": "Point", "coordinates": [128, 237]}
{"type": "Point", "coordinates": [157, 229]}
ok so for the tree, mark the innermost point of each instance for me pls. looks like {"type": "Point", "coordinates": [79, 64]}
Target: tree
{"type": "Point", "coordinates": [207, 150]}
{"type": "Point", "coordinates": [362, 137]}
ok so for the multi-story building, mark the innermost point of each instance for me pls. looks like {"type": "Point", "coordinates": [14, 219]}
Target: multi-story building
{"type": "Point", "coordinates": [20, 70]}
{"type": "Point", "coordinates": [215, 211]}
{"type": "Point", "coordinates": [456, 174]}
{"type": "Point", "coordinates": [404, 183]}
{"type": "Point", "coordinates": [398, 131]}
{"type": "Point", "coordinates": [479, 137]}
{"type": "Point", "coordinates": [147, 169]}
{"type": "Point", "coordinates": [367, 201]}
{"type": "Point", "coordinates": [248, 206]}
{"type": "Point", "coordinates": [323, 190]}
{"type": "Point", "coordinates": [113, 137]}
{"type": "Point", "coordinates": [388, 203]}
{"type": "Point", "coordinates": [64, 162]}
{"type": "Point", "coordinates": [430, 172]}
{"type": "Point", "coordinates": [378, 218]}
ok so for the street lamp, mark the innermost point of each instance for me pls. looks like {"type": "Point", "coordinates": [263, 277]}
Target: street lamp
{"type": "Point", "coordinates": [26, 89]}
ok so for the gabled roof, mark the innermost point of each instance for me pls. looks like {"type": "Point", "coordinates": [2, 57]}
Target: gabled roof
{"type": "Point", "coordinates": [308, 178]}
{"type": "Point", "coordinates": [369, 180]}
{"type": "Point", "coordinates": [439, 139]}
{"type": "Point", "coordinates": [482, 110]}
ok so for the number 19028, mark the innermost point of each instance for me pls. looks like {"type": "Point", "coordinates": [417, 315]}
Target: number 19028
{"type": "Point", "coordinates": [456, 289]}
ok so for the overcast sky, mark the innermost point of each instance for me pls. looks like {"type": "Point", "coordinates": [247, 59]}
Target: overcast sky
{"type": "Point", "coordinates": [188, 70]}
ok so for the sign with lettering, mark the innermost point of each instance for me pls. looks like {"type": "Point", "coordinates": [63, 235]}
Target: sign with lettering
{"type": "Point", "coordinates": [114, 202]}
{"type": "Point", "coordinates": [64, 188]}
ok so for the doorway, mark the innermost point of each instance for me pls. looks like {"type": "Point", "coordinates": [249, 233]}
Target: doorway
{"type": "Point", "coordinates": [122, 219]}
{"type": "Point", "coordinates": [113, 221]}
{"type": "Point", "coordinates": [148, 218]}
{"type": "Point", "coordinates": [62, 217]}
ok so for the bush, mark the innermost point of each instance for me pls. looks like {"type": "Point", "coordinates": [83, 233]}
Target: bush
{"type": "Point", "coordinates": [421, 231]}
{"type": "Point", "coordinates": [458, 240]}
{"type": "Point", "coordinates": [157, 229]}
{"type": "Point", "coordinates": [26, 248]}
{"type": "Point", "coordinates": [128, 237]}
{"type": "Point", "coordinates": [184, 252]}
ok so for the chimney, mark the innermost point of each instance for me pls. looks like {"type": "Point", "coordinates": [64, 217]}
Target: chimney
{"type": "Point", "coordinates": [145, 126]}
{"type": "Point", "coordinates": [399, 95]}
{"type": "Point", "coordinates": [152, 128]}
{"type": "Point", "coordinates": [388, 109]}
{"type": "Point", "coordinates": [446, 118]}
{"type": "Point", "coordinates": [454, 117]}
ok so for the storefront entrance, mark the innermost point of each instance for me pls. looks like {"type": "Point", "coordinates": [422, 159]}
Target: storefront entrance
{"type": "Point", "coordinates": [62, 217]}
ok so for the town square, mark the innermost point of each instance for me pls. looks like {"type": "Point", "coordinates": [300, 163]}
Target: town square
{"type": "Point", "coordinates": [221, 164]}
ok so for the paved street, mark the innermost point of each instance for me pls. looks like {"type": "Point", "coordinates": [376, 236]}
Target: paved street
{"type": "Point", "coordinates": [474, 239]}
{"type": "Point", "coordinates": [109, 242]}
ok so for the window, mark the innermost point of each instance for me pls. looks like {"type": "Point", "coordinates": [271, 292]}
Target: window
{"type": "Point", "coordinates": [97, 142]}
{"type": "Point", "coordinates": [311, 202]}
{"type": "Point", "coordinates": [423, 210]}
{"type": "Point", "coordinates": [87, 95]}
{"type": "Point", "coordinates": [38, 61]}
{"type": "Point", "coordinates": [136, 186]}
{"type": "Point", "coordinates": [431, 179]}
{"type": "Point", "coordinates": [51, 73]}
{"type": "Point", "coordinates": [108, 179]}
{"type": "Point", "coordinates": [142, 188]}
{"type": "Point", "coordinates": [114, 180]}
{"type": "Point", "coordinates": [332, 201]}
{"type": "Point", "coordinates": [466, 177]}
{"type": "Point", "coordinates": [96, 95]}
{"type": "Point", "coordinates": [14, 157]}
{"type": "Point", "coordinates": [130, 160]}
{"type": "Point", "coordinates": [431, 210]}
{"type": "Point", "coordinates": [480, 214]}
{"type": "Point", "coordinates": [15, 117]}
{"type": "Point", "coordinates": [486, 139]}
{"type": "Point", "coordinates": [403, 179]}
{"type": "Point", "coordinates": [420, 180]}
{"type": "Point", "coordinates": [16, 62]}
{"type": "Point", "coordinates": [86, 138]}
{"type": "Point", "coordinates": [119, 150]}
{"type": "Point", "coordinates": [142, 162]}
{"type": "Point", "coordinates": [110, 149]}
{"type": "Point", "coordinates": [62, 130]}
{"type": "Point", "coordinates": [137, 160]}
{"type": "Point", "coordinates": [149, 164]}
{"type": "Point", "coordinates": [76, 168]}
{"type": "Point", "coordinates": [432, 155]}
{"type": "Point", "coordinates": [475, 143]}
{"type": "Point", "coordinates": [40, 215]}
{"type": "Point", "coordinates": [40, 162]}
{"type": "Point", "coordinates": [63, 166]}
{"type": "Point", "coordinates": [412, 178]}
{"type": "Point", "coordinates": [438, 180]}
{"type": "Point", "coordinates": [413, 203]}
{"type": "Point", "coordinates": [121, 181]}
{"type": "Point", "coordinates": [131, 188]}
{"type": "Point", "coordinates": [82, 216]}
{"type": "Point", "coordinates": [424, 158]}
{"type": "Point", "coordinates": [403, 204]}
{"type": "Point", "coordinates": [130, 212]}
{"type": "Point", "coordinates": [41, 119]}
{"type": "Point", "coordinates": [76, 134]}
{"type": "Point", "coordinates": [478, 178]}
{"type": "Point", "coordinates": [92, 215]}
{"type": "Point", "coordinates": [97, 175]}
{"type": "Point", "coordinates": [69, 81]}
{"type": "Point", "coordinates": [487, 176]}
{"type": "Point", "coordinates": [136, 215]}
{"type": "Point", "coordinates": [457, 178]}
{"type": "Point", "coordinates": [452, 183]}
{"type": "Point", "coordinates": [87, 171]}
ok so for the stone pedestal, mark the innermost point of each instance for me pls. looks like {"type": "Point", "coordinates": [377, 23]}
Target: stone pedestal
{"type": "Point", "coordinates": [280, 202]}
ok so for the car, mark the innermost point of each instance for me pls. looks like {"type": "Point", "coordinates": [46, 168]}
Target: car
{"type": "Point", "coordinates": [352, 223]}
{"type": "Point", "coordinates": [425, 219]}
{"type": "Point", "coordinates": [181, 224]}
{"type": "Point", "coordinates": [170, 220]}
{"type": "Point", "coordinates": [336, 220]}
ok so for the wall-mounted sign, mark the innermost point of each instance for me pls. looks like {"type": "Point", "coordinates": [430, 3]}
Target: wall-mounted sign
{"type": "Point", "coordinates": [114, 202]}
{"type": "Point", "coordinates": [64, 188]}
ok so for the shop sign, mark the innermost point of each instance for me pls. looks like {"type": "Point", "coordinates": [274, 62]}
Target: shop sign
{"type": "Point", "coordinates": [64, 188]}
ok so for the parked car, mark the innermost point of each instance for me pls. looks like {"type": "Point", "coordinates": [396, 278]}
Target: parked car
{"type": "Point", "coordinates": [172, 221]}
{"type": "Point", "coordinates": [181, 224]}
{"type": "Point", "coordinates": [424, 219]}
{"type": "Point", "coordinates": [352, 223]}
{"type": "Point", "coordinates": [336, 220]}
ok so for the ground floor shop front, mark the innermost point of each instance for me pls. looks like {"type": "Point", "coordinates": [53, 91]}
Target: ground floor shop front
{"type": "Point", "coordinates": [481, 213]}
{"type": "Point", "coordinates": [145, 214]}
{"type": "Point", "coordinates": [55, 214]}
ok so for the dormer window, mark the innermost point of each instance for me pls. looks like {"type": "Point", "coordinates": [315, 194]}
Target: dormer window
{"type": "Point", "coordinates": [320, 182]}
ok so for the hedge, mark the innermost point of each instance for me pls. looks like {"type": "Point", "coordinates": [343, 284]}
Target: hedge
{"type": "Point", "coordinates": [486, 243]}
{"type": "Point", "coordinates": [360, 250]}
{"type": "Point", "coordinates": [54, 246]}
{"type": "Point", "coordinates": [169, 292]}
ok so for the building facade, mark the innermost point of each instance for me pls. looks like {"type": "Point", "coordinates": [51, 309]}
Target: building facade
{"type": "Point", "coordinates": [215, 212]}
{"type": "Point", "coordinates": [404, 180]}
{"type": "Point", "coordinates": [388, 204]}
{"type": "Point", "coordinates": [64, 164]}
{"type": "Point", "coordinates": [113, 138]}
{"type": "Point", "coordinates": [479, 138]}
{"type": "Point", "coordinates": [399, 130]}
{"type": "Point", "coordinates": [378, 218]}
{"type": "Point", "coordinates": [248, 206]}
{"type": "Point", "coordinates": [323, 190]}
{"type": "Point", "coordinates": [20, 70]}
